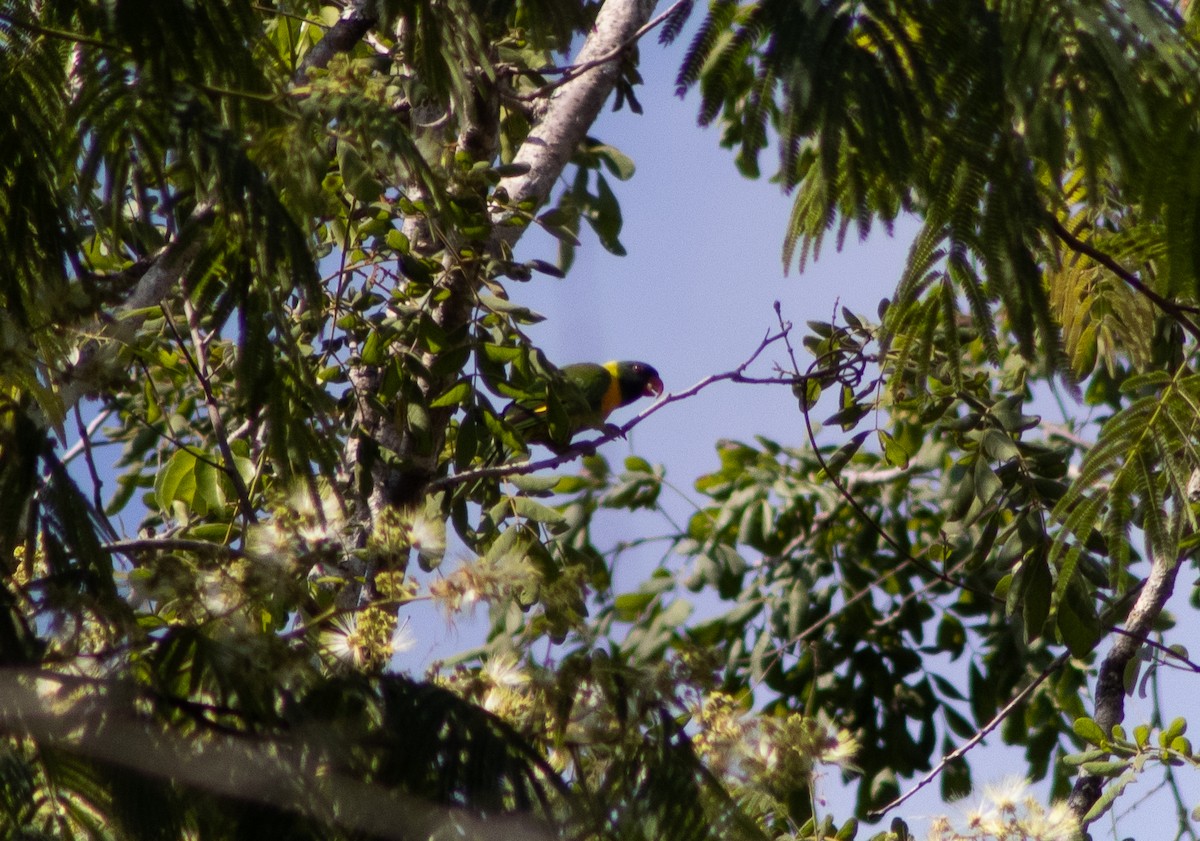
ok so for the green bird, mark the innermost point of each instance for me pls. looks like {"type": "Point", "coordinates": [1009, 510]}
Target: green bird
{"type": "Point", "coordinates": [589, 394]}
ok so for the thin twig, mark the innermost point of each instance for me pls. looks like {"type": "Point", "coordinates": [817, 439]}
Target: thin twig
{"type": "Point", "coordinates": [1171, 654]}
{"type": "Point", "coordinates": [83, 442]}
{"type": "Point", "coordinates": [588, 447]}
{"type": "Point", "coordinates": [169, 544]}
{"type": "Point", "coordinates": [1177, 311]}
{"type": "Point", "coordinates": [574, 71]}
{"type": "Point", "coordinates": [958, 752]}
{"type": "Point", "coordinates": [198, 362]}
{"type": "Point", "coordinates": [93, 473]}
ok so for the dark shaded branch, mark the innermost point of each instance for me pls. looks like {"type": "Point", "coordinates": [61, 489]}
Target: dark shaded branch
{"type": "Point", "coordinates": [169, 544]}
{"type": "Point", "coordinates": [76, 716]}
{"type": "Point", "coordinates": [1177, 311]}
{"type": "Point", "coordinates": [342, 37]}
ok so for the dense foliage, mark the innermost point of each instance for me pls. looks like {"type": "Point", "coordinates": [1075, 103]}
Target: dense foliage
{"type": "Point", "coordinates": [267, 252]}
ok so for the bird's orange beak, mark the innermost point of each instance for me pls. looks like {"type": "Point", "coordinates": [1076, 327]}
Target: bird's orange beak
{"type": "Point", "coordinates": [654, 387]}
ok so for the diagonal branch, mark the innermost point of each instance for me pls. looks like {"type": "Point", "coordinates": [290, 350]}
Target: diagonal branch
{"type": "Point", "coordinates": [572, 109]}
{"type": "Point", "coordinates": [958, 752]}
{"type": "Point", "coordinates": [572, 71]}
{"type": "Point", "coordinates": [589, 446]}
{"type": "Point", "coordinates": [352, 27]}
{"type": "Point", "coordinates": [1110, 684]}
{"type": "Point", "coordinates": [1177, 311]}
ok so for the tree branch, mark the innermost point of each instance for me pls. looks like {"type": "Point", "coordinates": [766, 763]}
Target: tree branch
{"type": "Point", "coordinates": [573, 107]}
{"type": "Point", "coordinates": [995, 721]}
{"type": "Point", "coordinates": [1110, 684]}
{"type": "Point", "coordinates": [342, 37]}
{"type": "Point", "coordinates": [573, 71]}
{"type": "Point", "coordinates": [169, 544]}
{"type": "Point", "coordinates": [1177, 311]}
{"type": "Point", "coordinates": [588, 447]}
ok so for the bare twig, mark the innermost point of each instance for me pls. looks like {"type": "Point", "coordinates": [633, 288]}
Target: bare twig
{"type": "Point", "coordinates": [1177, 311]}
{"type": "Point", "coordinates": [199, 365]}
{"type": "Point", "coordinates": [1177, 659]}
{"type": "Point", "coordinates": [574, 71]}
{"type": "Point", "coordinates": [86, 440]}
{"type": "Point", "coordinates": [958, 752]}
{"type": "Point", "coordinates": [588, 447]}
{"type": "Point", "coordinates": [169, 544]}
{"type": "Point", "coordinates": [85, 436]}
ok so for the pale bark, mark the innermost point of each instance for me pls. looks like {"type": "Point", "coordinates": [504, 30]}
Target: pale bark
{"type": "Point", "coordinates": [574, 106]}
{"type": "Point", "coordinates": [1110, 683]}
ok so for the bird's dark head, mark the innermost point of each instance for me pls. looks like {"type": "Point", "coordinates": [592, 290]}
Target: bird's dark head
{"type": "Point", "coordinates": [638, 379]}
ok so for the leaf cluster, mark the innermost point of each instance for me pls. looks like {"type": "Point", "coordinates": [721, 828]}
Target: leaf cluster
{"type": "Point", "coordinates": [978, 116]}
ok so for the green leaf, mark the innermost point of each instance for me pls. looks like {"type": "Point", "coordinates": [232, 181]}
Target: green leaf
{"type": "Point", "coordinates": [628, 607]}
{"type": "Point", "coordinates": [1111, 793]}
{"type": "Point", "coordinates": [210, 491]}
{"type": "Point", "coordinates": [1036, 586]}
{"type": "Point", "coordinates": [360, 182]}
{"type": "Point", "coordinates": [397, 241]}
{"type": "Point", "coordinates": [616, 161]}
{"type": "Point", "coordinates": [534, 483]}
{"type": "Point", "coordinates": [844, 453]}
{"type": "Point", "coordinates": [1141, 735]}
{"type": "Point", "coordinates": [217, 533]}
{"type": "Point", "coordinates": [375, 347]}
{"type": "Point", "coordinates": [987, 483]}
{"type": "Point", "coordinates": [531, 509]}
{"type": "Point", "coordinates": [518, 313]}
{"type": "Point", "coordinates": [605, 218]}
{"type": "Point", "coordinates": [1079, 625]}
{"type": "Point", "coordinates": [456, 395]}
{"type": "Point", "coordinates": [1177, 728]}
{"type": "Point", "coordinates": [956, 779]}
{"type": "Point", "coordinates": [1091, 755]}
{"type": "Point", "coordinates": [808, 392]}
{"type": "Point", "coordinates": [637, 464]}
{"type": "Point", "coordinates": [546, 268]}
{"type": "Point", "coordinates": [893, 451]}
{"type": "Point", "coordinates": [176, 481]}
{"type": "Point", "coordinates": [1091, 732]}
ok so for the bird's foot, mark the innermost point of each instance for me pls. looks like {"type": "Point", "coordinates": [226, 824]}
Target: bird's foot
{"type": "Point", "coordinates": [611, 430]}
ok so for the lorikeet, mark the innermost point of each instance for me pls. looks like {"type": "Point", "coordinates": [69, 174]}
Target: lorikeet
{"type": "Point", "coordinates": [589, 395]}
